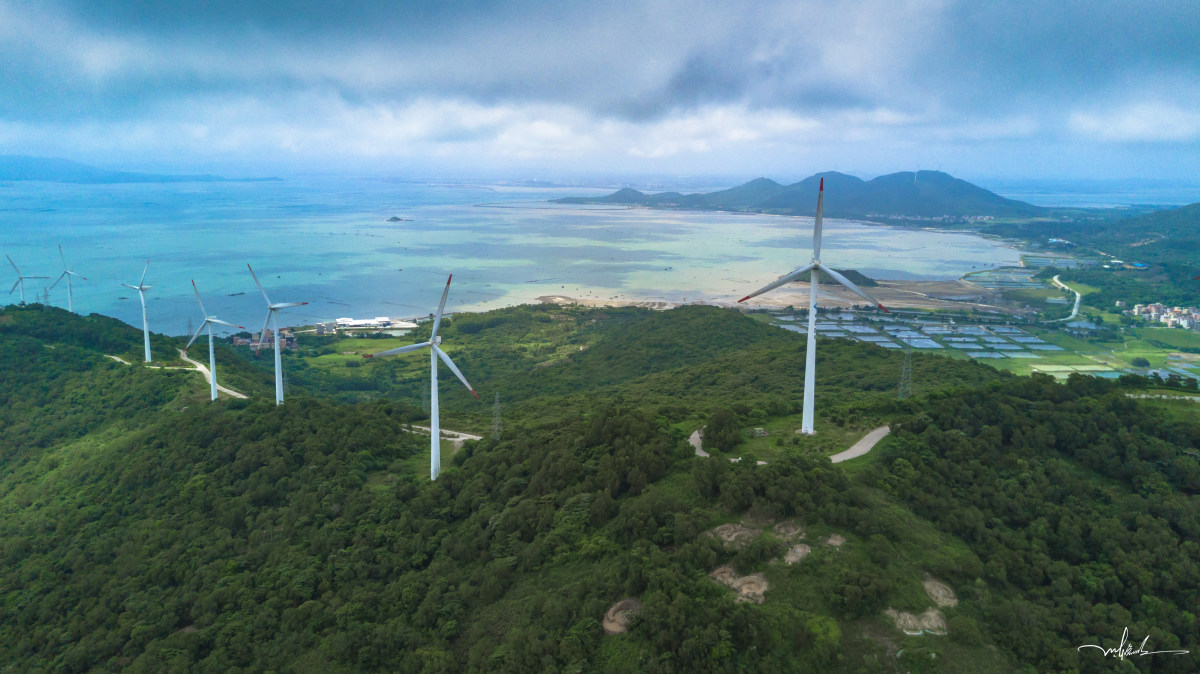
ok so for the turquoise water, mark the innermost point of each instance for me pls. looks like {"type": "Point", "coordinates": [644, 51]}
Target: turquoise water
{"type": "Point", "coordinates": [328, 242]}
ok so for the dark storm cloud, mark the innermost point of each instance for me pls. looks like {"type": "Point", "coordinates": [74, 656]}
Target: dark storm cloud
{"type": "Point", "coordinates": [640, 61]}
{"type": "Point", "coordinates": [572, 79]}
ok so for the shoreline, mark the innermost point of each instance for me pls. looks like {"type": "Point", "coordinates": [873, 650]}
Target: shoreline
{"type": "Point", "coordinates": [894, 294]}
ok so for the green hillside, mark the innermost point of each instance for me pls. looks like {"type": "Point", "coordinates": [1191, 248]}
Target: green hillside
{"type": "Point", "coordinates": [145, 529]}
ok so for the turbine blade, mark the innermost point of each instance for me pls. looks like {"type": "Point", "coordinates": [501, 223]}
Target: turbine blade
{"type": "Point", "coordinates": [817, 221]}
{"type": "Point", "coordinates": [14, 265]}
{"type": "Point", "coordinates": [450, 364]}
{"type": "Point", "coordinates": [130, 287]}
{"type": "Point", "coordinates": [78, 276]}
{"type": "Point", "coordinates": [262, 332]}
{"type": "Point", "coordinates": [198, 330]}
{"type": "Point", "coordinates": [61, 256]}
{"type": "Point", "coordinates": [143, 281]}
{"type": "Point", "coordinates": [15, 284]}
{"type": "Point", "coordinates": [61, 277]}
{"type": "Point", "coordinates": [786, 278]}
{"type": "Point", "coordinates": [198, 300]}
{"type": "Point", "coordinates": [437, 320]}
{"type": "Point", "coordinates": [285, 305]}
{"type": "Point", "coordinates": [402, 349]}
{"type": "Point", "coordinates": [846, 282]}
{"type": "Point", "coordinates": [260, 288]}
{"type": "Point", "coordinates": [221, 322]}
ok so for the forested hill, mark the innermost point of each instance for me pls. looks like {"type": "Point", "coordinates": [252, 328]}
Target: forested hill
{"type": "Point", "coordinates": [1166, 245]}
{"type": "Point", "coordinates": [145, 529]}
{"type": "Point", "coordinates": [925, 194]}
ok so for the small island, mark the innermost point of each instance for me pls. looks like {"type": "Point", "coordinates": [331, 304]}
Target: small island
{"type": "Point", "coordinates": [398, 219]}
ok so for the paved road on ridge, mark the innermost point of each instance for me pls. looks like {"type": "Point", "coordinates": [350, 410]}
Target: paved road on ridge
{"type": "Point", "coordinates": [866, 444]}
{"type": "Point", "coordinates": [208, 375]}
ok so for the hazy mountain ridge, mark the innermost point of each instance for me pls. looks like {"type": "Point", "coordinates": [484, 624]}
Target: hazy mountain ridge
{"type": "Point", "coordinates": [925, 194]}
{"type": "Point", "coordinates": [21, 167]}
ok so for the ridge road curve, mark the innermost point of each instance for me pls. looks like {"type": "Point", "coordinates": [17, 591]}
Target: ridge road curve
{"type": "Point", "coordinates": [866, 444]}
{"type": "Point", "coordinates": [208, 375]}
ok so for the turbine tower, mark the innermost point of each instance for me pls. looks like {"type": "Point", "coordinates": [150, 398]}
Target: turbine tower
{"type": "Point", "coordinates": [141, 287]}
{"type": "Point", "coordinates": [435, 435]}
{"type": "Point", "coordinates": [273, 319]}
{"type": "Point", "coordinates": [814, 268]}
{"type": "Point", "coordinates": [208, 323]}
{"type": "Point", "coordinates": [67, 274]}
{"type": "Point", "coordinates": [20, 280]}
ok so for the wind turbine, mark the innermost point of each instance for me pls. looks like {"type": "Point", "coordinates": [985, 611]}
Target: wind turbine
{"type": "Point", "coordinates": [814, 268]}
{"type": "Point", "coordinates": [67, 274]}
{"type": "Point", "coordinates": [435, 435]}
{"type": "Point", "coordinates": [141, 287]}
{"type": "Point", "coordinates": [208, 323]}
{"type": "Point", "coordinates": [273, 319]}
{"type": "Point", "coordinates": [20, 280]}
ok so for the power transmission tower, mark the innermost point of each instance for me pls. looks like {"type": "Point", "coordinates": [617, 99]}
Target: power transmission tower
{"type": "Point", "coordinates": [906, 373]}
{"type": "Point", "coordinates": [497, 424]}
{"type": "Point", "coordinates": [191, 328]}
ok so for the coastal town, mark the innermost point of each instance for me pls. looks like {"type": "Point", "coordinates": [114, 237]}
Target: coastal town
{"type": "Point", "coordinates": [1187, 318]}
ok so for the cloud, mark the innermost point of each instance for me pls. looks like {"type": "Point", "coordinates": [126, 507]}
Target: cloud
{"type": "Point", "coordinates": [659, 81]}
{"type": "Point", "coordinates": [1152, 122]}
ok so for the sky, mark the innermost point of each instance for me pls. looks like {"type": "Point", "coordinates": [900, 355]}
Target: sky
{"type": "Point", "coordinates": [1004, 89]}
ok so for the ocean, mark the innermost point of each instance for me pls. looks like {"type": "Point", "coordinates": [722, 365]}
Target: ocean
{"type": "Point", "coordinates": [328, 241]}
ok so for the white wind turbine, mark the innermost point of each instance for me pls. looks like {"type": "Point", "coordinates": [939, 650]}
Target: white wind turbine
{"type": "Point", "coordinates": [208, 323]}
{"type": "Point", "coordinates": [814, 268]}
{"type": "Point", "coordinates": [67, 274]}
{"type": "Point", "coordinates": [141, 287]}
{"type": "Point", "coordinates": [20, 280]}
{"type": "Point", "coordinates": [273, 319]}
{"type": "Point", "coordinates": [435, 445]}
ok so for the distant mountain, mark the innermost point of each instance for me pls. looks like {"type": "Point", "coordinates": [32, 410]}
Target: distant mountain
{"type": "Point", "coordinates": [923, 194]}
{"type": "Point", "coordinates": [19, 167]}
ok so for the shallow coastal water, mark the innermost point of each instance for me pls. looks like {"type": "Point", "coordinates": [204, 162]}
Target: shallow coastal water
{"type": "Point", "coordinates": [329, 242]}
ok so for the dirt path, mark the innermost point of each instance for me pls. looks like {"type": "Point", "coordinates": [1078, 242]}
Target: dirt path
{"type": "Point", "coordinates": [456, 438]}
{"type": "Point", "coordinates": [696, 441]}
{"type": "Point", "coordinates": [1164, 396]}
{"type": "Point", "coordinates": [862, 446]}
{"type": "Point", "coordinates": [196, 367]}
{"type": "Point", "coordinates": [208, 375]}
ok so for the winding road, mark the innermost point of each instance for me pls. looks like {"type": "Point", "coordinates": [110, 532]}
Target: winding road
{"type": "Point", "coordinates": [1078, 297]}
{"type": "Point", "coordinates": [864, 445]}
{"type": "Point", "coordinates": [208, 375]}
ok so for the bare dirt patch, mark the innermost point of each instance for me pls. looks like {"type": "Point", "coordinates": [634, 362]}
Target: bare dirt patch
{"type": "Point", "coordinates": [797, 553]}
{"type": "Point", "coordinates": [737, 536]}
{"type": "Point", "coordinates": [836, 540]}
{"type": "Point", "coordinates": [931, 621]}
{"type": "Point", "coordinates": [616, 619]}
{"type": "Point", "coordinates": [789, 530]}
{"type": "Point", "coordinates": [939, 592]}
{"type": "Point", "coordinates": [750, 588]}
